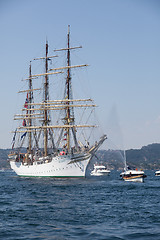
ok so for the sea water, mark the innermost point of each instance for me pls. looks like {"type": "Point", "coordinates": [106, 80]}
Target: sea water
{"type": "Point", "coordinates": [90, 208]}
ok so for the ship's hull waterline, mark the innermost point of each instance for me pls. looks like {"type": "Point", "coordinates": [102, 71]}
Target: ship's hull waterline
{"type": "Point", "coordinates": [57, 167]}
{"type": "Point", "coordinates": [133, 179]}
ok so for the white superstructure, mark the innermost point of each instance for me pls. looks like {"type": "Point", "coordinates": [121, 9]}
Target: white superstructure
{"type": "Point", "coordinates": [100, 170]}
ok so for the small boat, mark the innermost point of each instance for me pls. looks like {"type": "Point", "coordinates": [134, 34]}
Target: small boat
{"type": "Point", "coordinates": [157, 173]}
{"type": "Point", "coordinates": [100, 170]}
{"type": "Point", "coordinates": [133, 175]}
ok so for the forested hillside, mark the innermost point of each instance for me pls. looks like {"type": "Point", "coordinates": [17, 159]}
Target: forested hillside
{"type": "Point", "coordinates": [148, 157]}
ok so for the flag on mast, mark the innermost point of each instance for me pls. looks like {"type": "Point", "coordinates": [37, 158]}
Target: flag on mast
{"type": "Point", "coordinates": [26, 102]}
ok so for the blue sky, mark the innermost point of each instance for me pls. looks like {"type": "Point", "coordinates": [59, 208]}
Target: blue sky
{"type": "Point", "coordinates": [121, 43]}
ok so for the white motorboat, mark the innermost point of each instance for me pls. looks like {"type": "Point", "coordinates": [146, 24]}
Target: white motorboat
{"type": "Point", "coordinates": [100, 170]}
{"type": "Point", "coordinates": [157, 173]}
{"type": "Point", "coordinates": [133, 175]}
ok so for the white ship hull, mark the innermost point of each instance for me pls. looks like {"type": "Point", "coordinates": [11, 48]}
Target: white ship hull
{"type": "Point", "coordinates": [157, 173]}
{"type": "Point", "coordinates": [133, 176]}
{"type": "Point", "coordinates": [100, 173]}
{"type": "Point", "coordinates": [139, 179]}
{"type": "Point", "coordinates": [60, 166]}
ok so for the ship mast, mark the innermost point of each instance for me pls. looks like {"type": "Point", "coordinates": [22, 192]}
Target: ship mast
{"type": "Point", "coordinates": [45, 100]}
{"type": "Point", "coordinates": [68, 90]}
{"type": "Point", "coordinates": [69, 98]}
{"type": "Point", "coordinates": [69, 113]}
{"type": "Point", "coordinates": [30, 101]}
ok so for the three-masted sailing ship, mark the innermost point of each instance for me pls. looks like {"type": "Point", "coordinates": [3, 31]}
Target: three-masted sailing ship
{"type": "Point", "coordinates": [61, 154]}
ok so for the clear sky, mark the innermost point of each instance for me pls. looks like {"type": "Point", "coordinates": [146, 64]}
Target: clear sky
{"type": "Point", "coordinates": [121, 43]}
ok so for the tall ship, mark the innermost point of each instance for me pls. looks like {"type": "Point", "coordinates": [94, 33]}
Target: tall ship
{"type": "Point", "coordinates": [54, 137]}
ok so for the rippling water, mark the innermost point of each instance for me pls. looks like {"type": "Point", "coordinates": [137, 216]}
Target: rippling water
{"type": "Point", "coordinates": [90, 208]}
